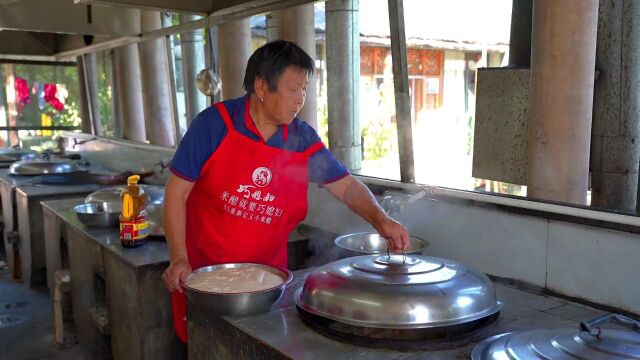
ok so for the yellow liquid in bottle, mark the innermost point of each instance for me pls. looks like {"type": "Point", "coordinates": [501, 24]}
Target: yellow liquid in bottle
{"type": "Point", "coordinates": [134, 200]}
{"type": "Point", "coordinates": [133, 220]}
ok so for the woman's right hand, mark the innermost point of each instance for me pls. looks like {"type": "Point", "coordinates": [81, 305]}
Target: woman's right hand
{"type": "Point", "coordinates": [178, 270]}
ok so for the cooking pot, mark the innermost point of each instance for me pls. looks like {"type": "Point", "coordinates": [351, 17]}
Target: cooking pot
{"type": "Point", "coordinates": [589, 341]}
{"type": "Point", "coordinates": [398, 292]}
{"type": "Point", "coordinates": [372, 243]}
{"type": "Point", "coordinates": [40, 167]}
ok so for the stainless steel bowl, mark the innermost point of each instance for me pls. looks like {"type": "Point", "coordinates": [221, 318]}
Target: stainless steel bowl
{"type": "Point", "coordinates": [111, 196]}
{"type": "Point", "coordinates": [245, 303]}
{"type": "Point", "coordinates": [371, 243]}
{"type": "Point", "coordinates": [97, 215]}
{"type": "Point", "coordinates": [41, 167]}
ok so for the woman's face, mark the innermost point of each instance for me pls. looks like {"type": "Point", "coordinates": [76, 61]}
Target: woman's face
{"type": "Point", "coordinates": [284, 103]}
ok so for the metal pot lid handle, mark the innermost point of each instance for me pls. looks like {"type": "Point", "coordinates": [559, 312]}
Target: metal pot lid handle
{"type": "Point", "coordinates": [592, 326]}
{"type": "Point", "coordinates": [389, 261]}
{"type": "Point", "coordinates": [395, 264]}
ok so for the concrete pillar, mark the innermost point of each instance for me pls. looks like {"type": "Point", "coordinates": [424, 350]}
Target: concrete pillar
{"type": "Point", "coordinates": [520, 37]}
{"type": "Point", "coordinates": [234, 42]}
{"type": "Point", "coordinates": [180, 122]}
{"type": "Point", "coordinates": [3, 122]}
{"type": "Point", "coordinates": [343, 84]}
{"type": "Point", "coordinates": [12, 110]}
{"type": "Point", "coordinates": [297, 24]}
{"type": "Point", "coordinates": [192, 47]}
{"type": "Point", "coordinates": [115, 103]}
{"type": "Point", "coordinates": [130, 95]}
{"type": "Point", "coordinates": [212, 58]}
{"type": "Point", "coordinates": [154, 72]}
{"type": "Point", "coordinates": [271, 26]}
{"type": "Point", "coordinates": [85, 114]}
{"type": "Point", "coordinates": [615, 152]}
{"type": "Point", "coordinates": [562, 74]}
{"type": "Point", "coordinates": [91, 80]}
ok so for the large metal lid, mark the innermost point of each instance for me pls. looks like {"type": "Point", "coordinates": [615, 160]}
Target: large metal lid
{"type": "Point", "coordinates": [11, 154]}
{"type": "Point", "coordinates": [396, 291]}
{"type": "Point", "coordinates": [588, 342]}
{"type": "Point", "coordinates": [40, 167]}
{"type": "Point", "coordinates": [111, 195]}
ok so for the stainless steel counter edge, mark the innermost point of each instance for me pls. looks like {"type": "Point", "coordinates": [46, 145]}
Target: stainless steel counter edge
{"type": "Point", "coordinates": [153, 253]}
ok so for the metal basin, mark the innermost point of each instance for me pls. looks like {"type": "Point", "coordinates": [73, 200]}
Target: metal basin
{"type": "Point", "coordinates": [97, 215]}
{"type": "Point", "coordinates": [40, 167]}
{"type": "Point", "coordinates": [370, 243]}
{"type": "Point", "coordinates": [110, 197]}
{"type": "Point", "coordinates": [244, 303]}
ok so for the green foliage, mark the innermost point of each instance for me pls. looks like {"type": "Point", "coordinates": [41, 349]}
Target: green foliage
{"type": "Point", "coordinates": [104, 104]}
{"type": "Point", "coordinates": [323, 120]}
{"type": "Point", "coordinates": [377, 136]}
{"type": "Point", "coordinates": [69, 116]}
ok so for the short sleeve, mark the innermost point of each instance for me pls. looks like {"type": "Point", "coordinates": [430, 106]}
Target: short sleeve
{"type": "Point", "coordinates": [201, 140]}
{"type": "Point", "coordinates": [324, 168]}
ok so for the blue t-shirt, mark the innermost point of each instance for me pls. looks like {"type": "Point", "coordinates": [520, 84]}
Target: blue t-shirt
{"type": "Point", "coordinates": [208, 130]}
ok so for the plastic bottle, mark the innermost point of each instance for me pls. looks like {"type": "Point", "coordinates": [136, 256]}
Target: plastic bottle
{"type": "Point", "coordinates": [134, 227]}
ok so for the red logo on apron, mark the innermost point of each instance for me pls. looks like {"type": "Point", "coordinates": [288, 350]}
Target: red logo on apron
{"type": "Point", "coordinates": [261, 176]}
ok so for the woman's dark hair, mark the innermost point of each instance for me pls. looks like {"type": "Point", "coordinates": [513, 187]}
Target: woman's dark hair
{"type": "Point", "coordinates": [270, 61]}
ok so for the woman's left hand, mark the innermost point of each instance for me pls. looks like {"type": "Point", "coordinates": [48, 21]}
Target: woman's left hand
{"type": "Point", "coordinates": [397, 235]}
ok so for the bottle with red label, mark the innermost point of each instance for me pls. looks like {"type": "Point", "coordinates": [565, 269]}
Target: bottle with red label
{"type": "Point", "coordinates": [134, 227]}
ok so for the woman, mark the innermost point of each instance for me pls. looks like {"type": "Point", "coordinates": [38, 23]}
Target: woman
{"type": "Point", "coordinates": [239, 178]}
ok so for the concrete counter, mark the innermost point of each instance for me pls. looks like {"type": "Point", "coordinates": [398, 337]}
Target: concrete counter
{"type": "Point", "coordinates": [281, 333]}
{"type": "Point", "coordinates": [120, 305]}
{"type": "Point", "coordinates": [22, 214]}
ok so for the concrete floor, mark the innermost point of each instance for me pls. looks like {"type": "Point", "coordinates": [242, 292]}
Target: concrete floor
{"type": "Point", "coordinates": [26, 323]}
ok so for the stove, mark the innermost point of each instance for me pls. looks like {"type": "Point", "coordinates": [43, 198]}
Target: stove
{"type": "Point", "coordinates": [439, 338]}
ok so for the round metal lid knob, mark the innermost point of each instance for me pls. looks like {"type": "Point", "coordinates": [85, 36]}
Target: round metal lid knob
{"type": "Point", "coordinates": [397, 264]}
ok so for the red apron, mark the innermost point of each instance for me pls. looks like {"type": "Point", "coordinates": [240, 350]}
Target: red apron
{"type": "Point", "coordinates": [249, 198]}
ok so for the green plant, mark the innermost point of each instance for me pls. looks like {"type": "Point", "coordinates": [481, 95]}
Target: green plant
{"type": "Point", "coordinates": [104, 105]}
{"type": "Point", "coordinates": [323, 120]}
{"type": "Point", "coordinates": [69, 116]}
{"type": "Point", "coordinates": [377, 136]}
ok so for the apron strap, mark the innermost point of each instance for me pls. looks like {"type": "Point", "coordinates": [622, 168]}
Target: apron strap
{"type": "Point", "coordinates": [314, 148]}
{"type": "Point", "coordinates": [225, 115]}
